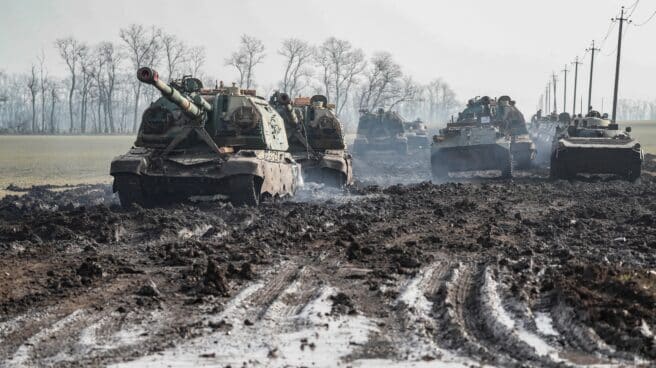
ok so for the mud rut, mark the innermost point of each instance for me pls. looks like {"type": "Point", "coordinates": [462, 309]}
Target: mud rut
{"type": "Point", "coordinates": [481, 271]}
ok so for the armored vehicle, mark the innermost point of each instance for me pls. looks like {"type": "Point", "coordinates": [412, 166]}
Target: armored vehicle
{"type": "Point", "coordinates": [380, 131]}
{"type": "Point", "coordinates": [417, 134]}
{"type": "Point", "coordinates": [315, 139]}
{"type": "Point", "coordinates": [595, 145]}
{"type": "Point", "coordinates": [512, 124]}
{"type": "Point", "coordinates": [488, 135]}
{"type": "Point", "coordinates": [204, 142]}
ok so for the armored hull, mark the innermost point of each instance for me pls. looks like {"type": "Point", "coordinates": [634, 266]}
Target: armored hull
{"type": "Point", "coordinates": [417, 141]}
{"type": "Point", "coordinates": [473, 148]}
{"type": "Point", "coordinates": [417, 134]}
{"type": "Point", "coordinates": [143, 176]}
{"type": "Point", "coordinates": [380, 131]}
{"type": "Point", "coordinates": [619, 156]}
{"type": "Point", "coordinates": [489, 134]}
{"type": "Point", "coordinates": [332, 167]}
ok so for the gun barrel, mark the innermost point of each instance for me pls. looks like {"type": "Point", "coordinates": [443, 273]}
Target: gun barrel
{"type": "Point", "coordinates": [150, 76]}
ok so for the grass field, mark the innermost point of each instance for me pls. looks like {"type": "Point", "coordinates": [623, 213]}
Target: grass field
{"type": "Point", "coordinates": [58, 160]}
{"type": "Point", "coordinates": [35, 160]}
{"type": "Point", "coordinates": [645, 132]}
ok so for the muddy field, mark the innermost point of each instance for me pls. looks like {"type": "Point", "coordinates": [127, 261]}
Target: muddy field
{"type": "Point", "coordinates": [480, 271]}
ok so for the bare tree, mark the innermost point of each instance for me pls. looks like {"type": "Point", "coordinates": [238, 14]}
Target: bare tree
{"type": "Point", "coordinates": [298, 54]}
{"type": "Point", "coordinates": [249, 55]}
{"type": "Point", "coordinates": [196, 60]}
{"type": "Point", "coordinates": [112, 59]}
{"type": "Point", "coordinates": [98, 75]}
{"type": "Point", "coordinates": [341, 65]}
{"type": "Point", "coordinates": [142, 45]}
{"type": "Point", "coordinates": [43, 84]}
{"type": "Point", "coordinates": [405, 91]}
{"type": "Point", "coordinates": [238, 60]}
{"type": "Point", "coordinates": [382, 80]}
{"type": "Point", "coordinates": [69, 49]}
{"type": "Point", "coordinates": [87, 71]}
{"type": "Point", "coordinates": [32, 87]}
{"type": "Point", "coordinates": [174, 51]}
{"type": "Point", "coordinates": [53, 101]}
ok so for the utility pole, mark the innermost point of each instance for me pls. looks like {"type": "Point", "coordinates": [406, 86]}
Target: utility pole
{"type": "Point", "coordinates": [565, 89]}
{"type": "Point", "coordinates": [555, 79]}
{"type": "Point", "coordinates": [621, 19]}
{"type": "Point", "coordinates": [549, 97]}
{"type": "Point", "coordinates": [593, 49]}
{"type": "Point", "coordinates": [576, 64]}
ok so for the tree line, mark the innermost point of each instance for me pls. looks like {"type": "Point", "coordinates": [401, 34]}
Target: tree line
{"type": "Point", "coordinates": [100, 94]}
{"type": "Point", "coordinates": [632, 110]}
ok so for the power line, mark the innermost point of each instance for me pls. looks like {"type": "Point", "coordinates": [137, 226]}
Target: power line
{"type": "Point", "coordinates": [615, 50]}
{"type": "Point", "coordinates": [634, 7]}
{"type": "Point", "coordinates": [610, 29]}
{"type": "Point", "coordinates": [647, 21]}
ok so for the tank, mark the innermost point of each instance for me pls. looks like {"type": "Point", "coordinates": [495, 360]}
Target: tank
{"type": "Point", "coordinates": [595, 145]}
{"type": "Point", "coordinates": [205, 142]}
{"type": "Point", "coordinates": [315, 139]}
{"type": "Point", "coordinates": [380, 131]}
{"type": "Point", "coordinates": [417, 134]}
{"type": "Point", "coordinates": [488, 135]}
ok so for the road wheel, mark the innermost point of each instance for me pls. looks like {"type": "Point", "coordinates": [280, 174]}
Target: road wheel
{"type": "Point", "coordinates": [244, 191]}
{"type": "Point", "coordinates": [634, 172]}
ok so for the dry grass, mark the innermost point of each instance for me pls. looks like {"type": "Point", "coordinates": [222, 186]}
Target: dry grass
{"type": "Point", "coordinates": [645, 132]}
{"type": "Point", "coordinates": [58, 160]}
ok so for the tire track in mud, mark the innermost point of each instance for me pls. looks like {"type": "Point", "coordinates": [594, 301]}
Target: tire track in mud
{"type": "Point", "coordinates": [82, 331]}
{"type": "Point", "coordinates": [473, 321]}
{"type": "Point", "coordinates": [285, 318]}
{"type": "Point", "coordinates": [414, 320]}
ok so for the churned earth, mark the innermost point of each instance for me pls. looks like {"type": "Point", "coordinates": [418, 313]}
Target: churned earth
{"type": "Point", "coordinates": [479, 271]}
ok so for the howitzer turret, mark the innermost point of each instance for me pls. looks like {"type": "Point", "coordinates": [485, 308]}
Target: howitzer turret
{"type": "Point", "coordinates": [195, 107]}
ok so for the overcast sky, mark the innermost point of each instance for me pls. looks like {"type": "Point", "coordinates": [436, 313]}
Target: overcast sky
{"type": "Point", "coordinates": [479, 47]}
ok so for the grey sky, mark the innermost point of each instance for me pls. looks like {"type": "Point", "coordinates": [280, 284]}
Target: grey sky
{"type": "Point", "coordinates": [479, 47]}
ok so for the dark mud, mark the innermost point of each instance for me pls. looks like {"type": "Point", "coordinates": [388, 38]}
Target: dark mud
{"type": "Point", "coordinates": [529, 272]}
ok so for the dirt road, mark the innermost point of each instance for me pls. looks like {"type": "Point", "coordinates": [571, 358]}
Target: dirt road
{"type": "Point", "coordinates": [531, 272]}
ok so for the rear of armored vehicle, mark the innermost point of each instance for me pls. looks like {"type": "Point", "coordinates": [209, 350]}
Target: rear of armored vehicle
{"type": "Point", "coordinates": [476, 147]}
{"type": "Point", "coordinates": [327, 161]}
{"type": "Point", "coordinates": [593, 145]}
{"type": "Point", "coordinates": [417, 134]}
{"type": "Point", "coordinates": [380, 131]}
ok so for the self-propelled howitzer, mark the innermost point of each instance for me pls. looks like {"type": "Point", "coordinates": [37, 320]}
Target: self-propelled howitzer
{"type": "Point", "coordinates": [203, 142]}
{"type": "Point", "coordinates": [315, 138]}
